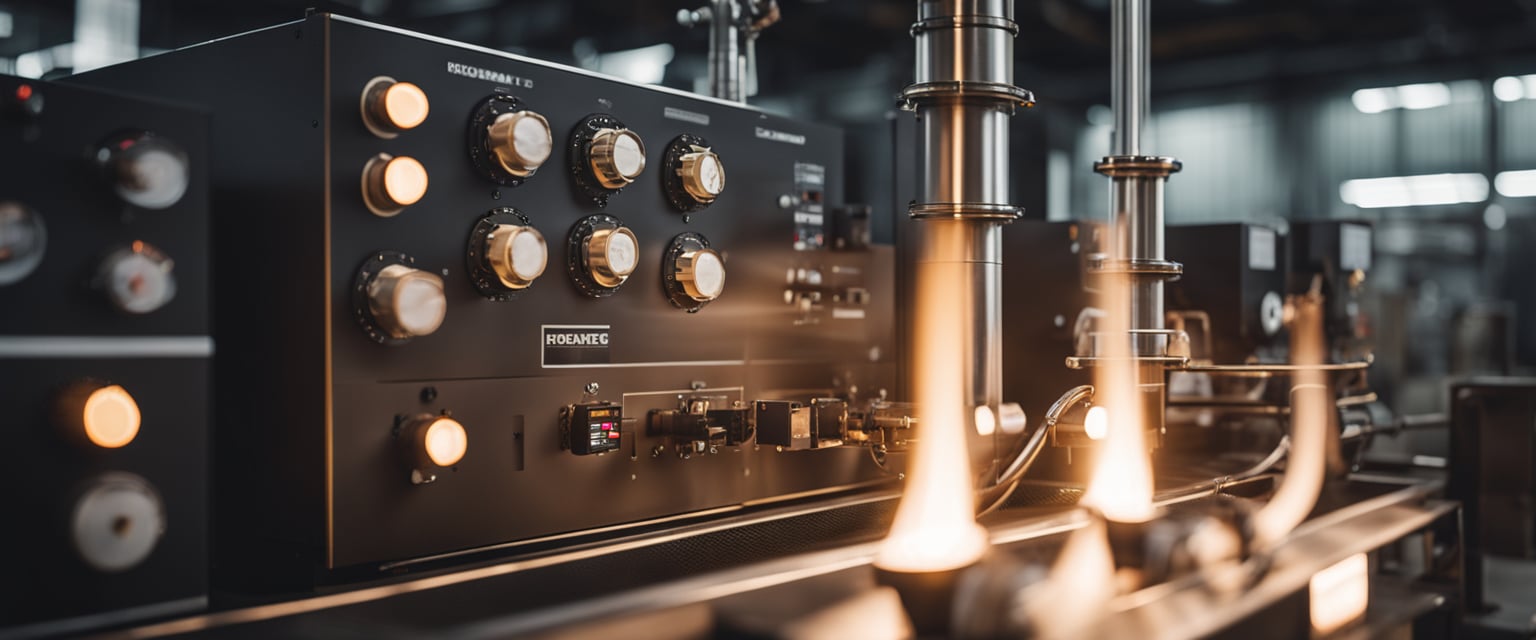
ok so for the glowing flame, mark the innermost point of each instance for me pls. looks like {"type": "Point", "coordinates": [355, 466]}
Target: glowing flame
{"type": "Point", "coordinates": [1080, 587]}
{"type": "Point", "coordinates": [1121, 487]}
{"type": "Point", "coordinates": [935, 527]}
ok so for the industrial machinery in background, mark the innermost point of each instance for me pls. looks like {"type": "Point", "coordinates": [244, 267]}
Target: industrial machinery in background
{"type": "Point", "coordinates": [104, 357]}
{"type": "Point", "coordinates": [494, 302]}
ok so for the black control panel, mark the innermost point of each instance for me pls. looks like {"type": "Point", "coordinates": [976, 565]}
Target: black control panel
{"type": "Point", "coordinates": [1230, 299]}
{"type": "Point", "coordinates": [104, 357]}
{"type": "Point", "coordinates": [415, 232]}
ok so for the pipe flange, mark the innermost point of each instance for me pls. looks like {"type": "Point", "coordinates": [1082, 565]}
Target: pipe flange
{"type": "Point", "coordinates": [960, 22]}
{"type": "Point", "coordinates": [1167, 362]}
{"type": "Point", "coordinates": [1138, 166]}
{"type": "Point", "coordinates": [965, 211]}
{"type": "Point", "coordinates": [959, 89]}
{"type": "Point", "coordinates": [1140, 268]}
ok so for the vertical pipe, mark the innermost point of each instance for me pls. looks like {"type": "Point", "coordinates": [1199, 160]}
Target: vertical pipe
{"type": "Point", "coordinates": [724, 59]}
{"type": "Point", "coordinates": [1128, 88]}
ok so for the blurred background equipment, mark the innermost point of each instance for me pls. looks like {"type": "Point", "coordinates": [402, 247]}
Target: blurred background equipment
{"type": "Point", "coordinates": [105, 350]}
{"type": "Point", "coordinates": [598, 319]}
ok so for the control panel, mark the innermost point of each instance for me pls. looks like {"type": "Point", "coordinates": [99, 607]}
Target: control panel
{"type": "Point", "coordinates": [499, 276]}
{"type": "Point", "coordinates": [104, 357]}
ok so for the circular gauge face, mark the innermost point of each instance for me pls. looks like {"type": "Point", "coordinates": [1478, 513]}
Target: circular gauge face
{"type": "Point", "coordinates": [148, 172]}
{"type": "Point", "coordinates": [711, 174]}
{"type": "Point", "coordinates": [117, 522]}
{"type": "Point", "coordinates": [420, 306]}
{"type": "Point", "coordinates": [529, 254]}
{"type": "Point", "coordinates": [138, 279]}
{"type": "Point", "coordinates": [532, 140]}
{"type": "Point", "coordinates": [708, 275]}
{"type": "Point", "coordinates": [622, 253]}
{"type": "Point", "coordinates": [628, 156]}
{"type": "Point", "coordinates": [23, 238]}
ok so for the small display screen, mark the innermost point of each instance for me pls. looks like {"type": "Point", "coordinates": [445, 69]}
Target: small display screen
{"type": "Point", "coordinates": [601, 433]}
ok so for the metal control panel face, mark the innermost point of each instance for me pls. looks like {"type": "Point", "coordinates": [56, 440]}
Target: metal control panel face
{"type": "Point", "coordinates": [105, 352]}
{"type": "Point", "coordinates": [664, 224]}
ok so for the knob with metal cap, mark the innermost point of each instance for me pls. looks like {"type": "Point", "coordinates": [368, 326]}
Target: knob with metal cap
{"type": "Point", "coordinates": [517, 254]}
{"type": "Point", "coordinates": [693, 273]}
{"type": "Point", "coordinates": [612, 254]}
{"type": "Point", "coordinates": [407, 303]}
{"type": "Point", "coordinates": [23, 239]}
{"type": "Point", "coordinates": [390, 107]}
{"type": "Point", "coordinates": [431, 444]}
{"type": "Point", "coordinates": [137, 279]}
{"type": "Point", "coordinates": [145, 170]}
{"type": "Point", "coordinates": [520, 141]}
{"type": "Point", "coordinates": [617, 157]}
{"type": "Point", "coordinates": [93, 414]}
{"type": "Point", "coordinates": [703, 175]}
{"type": "Point", "coordinates": [392, 183]}
{"type": "Point", "coordinates": [702, 274]}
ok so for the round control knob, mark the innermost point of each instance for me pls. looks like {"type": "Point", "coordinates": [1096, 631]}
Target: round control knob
{"type": "Point", "coordinates": [96, 414]}
{"type": "Point", "coordinates": [23, 237]}
{"type": "Point", "coordinates": [520, 141]}
{"type": "Point", "coordinates": [692, 273]}
{"type": "Point", "coordinates": [390, 107]}
{"type": "Point", "coordinates": [612, 255]}
{"type": "Point", "coordinates": [703, 175]}
{"type": "Point", "coordinates": [517, 254]}
{"type": "Point", "coordinates": [617, 157]}
{"type": "Point", "coordinates": [146, 171]}
{"type": "Point", "coordinates": [138, 278]}
{"type": "Point", "coordinates": [406, 302]}
{"type": "Point", "coordinates": [392, 183]}
{"type": "Point", "coordinates": [116, 522]}
{"type": "Point", "coordinates": [702, 274]}
{"type": "Point", "coordinates": [432, 444]}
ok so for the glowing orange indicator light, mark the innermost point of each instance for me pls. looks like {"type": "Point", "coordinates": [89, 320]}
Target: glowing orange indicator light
{"type": "Point", "coordinates": [24, 92]}
{"type": "Point", "coordinates": [111, 417]}
{"type": "Point", "coordinates": [446, 442]}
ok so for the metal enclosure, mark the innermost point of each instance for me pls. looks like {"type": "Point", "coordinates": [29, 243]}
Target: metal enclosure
{"type": "Point", "coordinates": [309, 475]}
{"type": "Point", "coordinates": [96, 534]}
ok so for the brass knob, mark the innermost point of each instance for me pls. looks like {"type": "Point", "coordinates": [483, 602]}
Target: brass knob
{"type": "Point", "coordinates": [703, 175]}
{"type": "Point", "coordinates": [406, 302]}
{"type": "Point", "coordinates": [517, 254]}
{"type": "Point", "coordinates": [390, 107]}
{"type": "Point", "coordinates": [433, 443]}
{"type": "Point", "coordinates": [392, 183]}
{"type": "Point", "coordinates": [702, 274]}
{"type": "Point", "coordinates": [96, 414]}
{"type": "Point", "coordinates": [612, 255]}
{"type": "Point", "coordinates": [521, 141]}
{"type": "Point", "coordinates": [617, 156]}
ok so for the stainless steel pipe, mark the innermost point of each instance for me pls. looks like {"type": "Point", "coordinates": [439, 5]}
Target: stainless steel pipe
{"type": "Point", "coordinates": [963, 97]}
{"type": "Point", "coordinates": [724, 52]}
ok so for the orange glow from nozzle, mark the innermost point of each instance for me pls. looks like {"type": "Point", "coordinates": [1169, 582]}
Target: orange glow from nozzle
{"type": "Point", "coordinates": [935, 528]}
{"type": "Point", "coordinates": [1121, 485]}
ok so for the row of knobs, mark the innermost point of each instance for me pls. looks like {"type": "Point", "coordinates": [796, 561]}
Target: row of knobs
{"type": "Point", "coordinates": [406, 302]}
{"type": "Point", "coordinates": [516, 142]}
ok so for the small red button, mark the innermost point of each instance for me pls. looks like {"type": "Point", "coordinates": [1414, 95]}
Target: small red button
{"type": "Point", "coordinates": [613, 434]}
